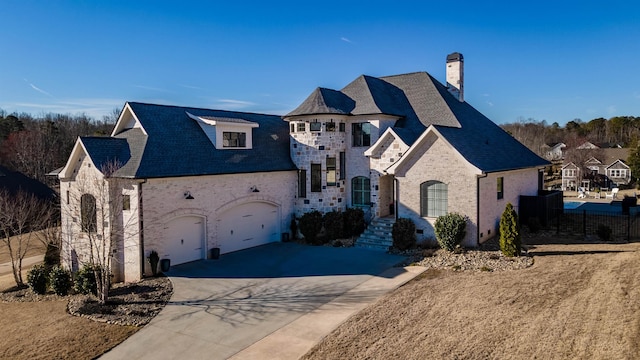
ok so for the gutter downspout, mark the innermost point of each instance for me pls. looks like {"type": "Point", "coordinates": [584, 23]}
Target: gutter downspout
{"type": "Point", "coordinates": [484, 175]}
{"type": "Point", "coordinates": [395, 196]}
{"type": "Point", "coordinates": [140, 228]}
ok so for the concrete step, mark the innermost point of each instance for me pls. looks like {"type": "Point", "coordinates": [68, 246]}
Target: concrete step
{"type": "Point", "coordinates": [372, 246]}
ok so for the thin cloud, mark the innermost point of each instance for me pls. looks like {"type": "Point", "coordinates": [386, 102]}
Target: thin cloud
{"type": "Point", "coordinates": [234, 104]}
{"type": "Point", "coordinates": [612, 110]}
{"type": "Point", "coordinates": [38, 89]}
{"type": "Point", "coordinates": [346, 40]}
{"type": "Point", "coordinates": [489, 103]}
{"type": "Point", "coordinates": [151, 88]}
{"type": "Point", "coordinates": [191, 87]}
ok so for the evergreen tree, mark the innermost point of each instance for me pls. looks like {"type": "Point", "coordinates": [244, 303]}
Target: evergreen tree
{"type": "Point", "coordinates": [510, 232]}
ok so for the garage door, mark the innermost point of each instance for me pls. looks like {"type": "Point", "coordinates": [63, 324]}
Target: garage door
{"type": "Point", "coordinates": [185, 236]}
{"type": "Point", "coordinates": [248, 225]}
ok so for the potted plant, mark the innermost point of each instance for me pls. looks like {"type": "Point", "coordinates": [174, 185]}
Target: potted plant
{"type": "Point", "coordinates": [214, 252]}
{"type": "Point", "coordinates": [154, 258]}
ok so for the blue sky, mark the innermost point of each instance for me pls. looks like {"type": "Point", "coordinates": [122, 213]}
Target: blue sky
{"type": "Point", "coordinates": [546, 60]}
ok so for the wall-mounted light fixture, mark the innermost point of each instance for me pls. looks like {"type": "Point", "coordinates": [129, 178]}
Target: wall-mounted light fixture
{"type": "Point", "coordinates": [254, 189]}
{"type": "Point", "coordinates": [188, 196]}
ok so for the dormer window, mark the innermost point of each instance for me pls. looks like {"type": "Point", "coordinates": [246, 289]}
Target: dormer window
{"type": "Point", "coordinates": [234, 139]}
{"type": "Point", "coordinates": [226, 132]}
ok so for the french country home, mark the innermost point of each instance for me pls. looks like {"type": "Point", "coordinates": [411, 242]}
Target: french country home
{"type": "Point", "coordinates": [182, 181]}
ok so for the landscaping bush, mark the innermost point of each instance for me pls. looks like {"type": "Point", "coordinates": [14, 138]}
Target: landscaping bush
{"type": "Point", "coordinates": [52, 256]}
{"type": "Point", "coordinates": [450, 230]}
{"type": "Point", "coordinates": [404, 234]}
{"type": "Point", "coordinates": [85, 282]}
{"type": "Point", "coordinates": [60, 280]}
{"type": "Point", "coordinates": [333, 223]}
{"type": "Point", "coordinates": [310, 225]}
{"type": "Point", "coordinates": [510, 232]}
{"type": "Point", "coordinates": [37, 279]}
{"type": "Point", "coordinates": [604, 232]}
{"type": "Point", "coordinates": [353, 222]}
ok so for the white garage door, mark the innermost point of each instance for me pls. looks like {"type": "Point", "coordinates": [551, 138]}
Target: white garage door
{"type": "Point", "coordinates": [185, 238]}
{"type": "Point", "coordinates": [248, 225]}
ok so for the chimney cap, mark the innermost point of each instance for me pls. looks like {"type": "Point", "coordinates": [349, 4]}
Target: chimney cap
{"type": "Point", "coordinates": [456, 56]}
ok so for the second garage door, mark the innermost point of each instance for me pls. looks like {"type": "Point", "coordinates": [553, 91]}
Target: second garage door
{"type": "Point", "coordinates": [248, 225]}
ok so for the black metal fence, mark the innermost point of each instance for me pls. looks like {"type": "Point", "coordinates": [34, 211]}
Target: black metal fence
{"type": "Point", "coordinates": [598, 224]}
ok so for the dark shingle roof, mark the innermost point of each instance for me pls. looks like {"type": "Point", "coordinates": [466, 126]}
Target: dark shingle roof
{"type": "Point", "coordinates": [325, 101]}
{"type": "Point", "coordinates": [421, 101]}
{"type": "Point", "coordinates": [14, 181]}
{"type": "Point", "coordinates": [175, 145]}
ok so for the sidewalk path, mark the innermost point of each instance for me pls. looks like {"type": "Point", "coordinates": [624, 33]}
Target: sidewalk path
{"type": "Point", "coordinates": [5, 268]}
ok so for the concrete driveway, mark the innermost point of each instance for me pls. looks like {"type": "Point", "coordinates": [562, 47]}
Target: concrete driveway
{"type": "Point", "coordinates": [273, 301]}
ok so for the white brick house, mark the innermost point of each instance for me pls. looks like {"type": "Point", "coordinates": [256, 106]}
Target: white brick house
{"type": "Point", "coordinates": [197, 179]}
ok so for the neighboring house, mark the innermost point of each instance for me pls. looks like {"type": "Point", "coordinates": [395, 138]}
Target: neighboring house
{"type": "Point", "coordinates": [195, 179]}
{"type": "Point", "coordinates": [554, 151]}
{"type": "Point", "coordinates": [608, 163]}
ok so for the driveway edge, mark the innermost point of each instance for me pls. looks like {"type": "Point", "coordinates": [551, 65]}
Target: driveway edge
{"type": "Point", "coordinates": [298, 337]}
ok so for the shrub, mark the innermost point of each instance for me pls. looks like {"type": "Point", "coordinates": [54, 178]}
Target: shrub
{"type": "Point", "coordinates": [450, 229]}
{"type": "Point", "coordinates": [333, 225]}
{"type": "Point", "coordinates": [604, 232]}
{"type": "Point", "coordinates": [86, 281]}
{"type": "Point", "coordinates": [52, 256]}
{"type": "Point", "coordinates": [60, 280]}
{"type": "Point", "coordinates": [510, 232]}
{"type": "Point", "coordinates": [404, 234]}
{"type": "Point", "coordinates": [353, 222]}
{"type": "Point", "coordinates": [37, 279]}
{"type": "Point", "coordinates": [310, 225]}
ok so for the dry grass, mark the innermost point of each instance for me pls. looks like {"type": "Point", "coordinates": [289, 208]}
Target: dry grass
{"type": "Point", "coordinates": [44, 330]}
{"type": "Point", "coordinates": [579, 301]}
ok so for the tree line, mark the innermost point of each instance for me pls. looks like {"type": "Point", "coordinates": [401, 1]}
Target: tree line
{"type": "Point", "coordinates": [619, 130]}
{"type": "Point", "coordinates": [36, 145]}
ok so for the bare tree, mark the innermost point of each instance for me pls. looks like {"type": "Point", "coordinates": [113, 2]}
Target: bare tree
{"type": "Point", "coordinates": [21, 215]}
{"type": "Point", "coordinates": [99, 238]}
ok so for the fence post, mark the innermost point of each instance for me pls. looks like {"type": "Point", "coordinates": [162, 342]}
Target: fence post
{"type": "Point", "coordinates": [584, 222]}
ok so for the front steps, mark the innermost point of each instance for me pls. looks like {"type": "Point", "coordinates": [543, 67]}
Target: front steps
{"type": "Point", "coordinates": [377, 235]}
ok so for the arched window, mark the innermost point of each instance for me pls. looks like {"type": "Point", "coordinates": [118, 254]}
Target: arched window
{"type": "Point", "coordinates": [433, 199]}
{"type": "Point", "coordinates": [88, 216]}
{"type": "Point", "coordinates": [360, 191]}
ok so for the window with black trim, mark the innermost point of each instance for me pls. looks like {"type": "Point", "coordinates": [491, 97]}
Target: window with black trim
{"type": "Point", "coordinates": [331, 126]}
{"type": "Point", "coordinates": [301, 127]}
{"type": "Point", "coordinates": [292, 127]}
{"type": "Point", "coordinates": [88, 217]}
{"type": "Point", "coordinates": [316, 178]}
{"type": "Point", "coordinates": [360, 191]}
{"type": "Point", "coordinates": [433, 199]}
{"type": "Point", "coordinates": [343, 165]}
{"type": "Point", "coordinates": [342, 127]}
{"type": "Point", "coordinates": [361, 134]}
{"type": "Point", "coordinates": [302, 183]}
{"type": "Point", "coordinates": [234, 139]}
{"type": "Point", "coordinates": [500, 184]}
{"type": "Point", "coordinates": [126, 202]}
{"type": "Point", "coordinates": [331, 171]}
{"type": "Point", "coordinates": [315, 126]}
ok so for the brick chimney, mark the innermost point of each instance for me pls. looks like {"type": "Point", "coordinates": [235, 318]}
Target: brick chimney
{"type": "Point", "coordinates": [455, 75]}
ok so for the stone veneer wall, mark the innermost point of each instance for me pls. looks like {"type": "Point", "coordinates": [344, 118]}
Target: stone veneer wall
{"type": "Point", "coordinates": [315, 146]}
{"type": "Point", "coordinates": [390, 151]}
